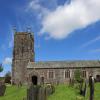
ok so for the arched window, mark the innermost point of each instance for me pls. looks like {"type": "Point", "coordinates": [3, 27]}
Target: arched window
{"type": "Point", "coordinates": [67, 74]}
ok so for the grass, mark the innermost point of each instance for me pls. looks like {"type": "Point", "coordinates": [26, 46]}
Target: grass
{"type": "Point", "coordinates": [62, 92]}
{"type": "Point", "coordinates": [96, 93]}
{"type": "Point", "coordinates": [2, 78]}
{"type": "Point", "coordinates": [14, 93]}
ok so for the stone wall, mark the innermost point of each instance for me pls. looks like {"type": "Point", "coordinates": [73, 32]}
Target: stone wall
{"type": "Point", "coordinates": [59, 74]}
{"type": "Point", "coordinates": [23, 52]}
{"type": "Point", "coordinates": [24, 67]}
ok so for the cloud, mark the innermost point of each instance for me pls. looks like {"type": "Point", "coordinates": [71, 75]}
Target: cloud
{"type": "Point", "coordinates": [95, 51]}
{"type": "Point", "coordinates": [38, 8]}
{"type": "Point", "coordinates": [11, 38]}
{"type": "Point", "coordinates": [90, 42]}
{"type": "Point", "coordinates": [7, 60]}
{"type": "Point", "coordinates": [35, 5]}
{"type": "Point", "coordinates": [61, 22]}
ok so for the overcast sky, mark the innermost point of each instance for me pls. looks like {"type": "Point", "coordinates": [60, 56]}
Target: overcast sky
{"type": "Point", "coordinates": [63, 29]}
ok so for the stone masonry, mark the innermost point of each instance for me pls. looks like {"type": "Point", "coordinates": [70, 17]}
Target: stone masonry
{"type": "Point", "coordinates": [25, 69]}
{"type": "Point", "coordinates": [23, 52]}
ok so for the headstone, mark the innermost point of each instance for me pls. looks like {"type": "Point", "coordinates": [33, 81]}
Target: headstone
{"type": "Point", "coordinates": [50, 89]}
{"type": "Point", "coordinates": [2, 89]}
{"type": "Point", "coordinates": [71, 82]}
{"type": "Point", "coordinates": [81, 87]}
{"type": "Point", "coordinates": [85, 88]}
{"type": "Point", "coordinates": [42, 94]}
{"type": "Point", "coordinates": [32, 92]}
{"type": "Point", "coordinates": [91, 84]}
{"type": "Point", "coordinates": [36, 92]}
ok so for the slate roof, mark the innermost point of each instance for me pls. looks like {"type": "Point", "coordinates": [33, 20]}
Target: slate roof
{"type": "Point", "coordinates": [64, 64]}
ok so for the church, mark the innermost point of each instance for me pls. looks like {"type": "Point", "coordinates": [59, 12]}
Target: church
{"type": "Point", "coordinates": [25, 69]}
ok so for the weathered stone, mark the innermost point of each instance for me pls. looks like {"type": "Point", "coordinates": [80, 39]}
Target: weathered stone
{"type": "Point", "coordinates": [91, 84]}
{"type": "Point", "coordinates": [2, 89]}
{"type": "Point", "coordinates": [23, 52]}
{"type": "Point", "coordinates": [50, 89]}
{"type": "Point", "coordinates": [36, 92]}
{"type": "Point", "coordinates": [24, 67]}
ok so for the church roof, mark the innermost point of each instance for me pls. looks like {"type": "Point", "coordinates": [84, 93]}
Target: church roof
{"type": "Point", "coordinates": [63, 64]}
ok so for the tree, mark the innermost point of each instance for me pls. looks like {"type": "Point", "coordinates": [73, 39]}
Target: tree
{"type": "Point", "coordinates": [79, 80]}
{"type": "Point", "coordinates": [8, 77]}
{"type": "Point", "coordinates": [77, 76]}
{"type": "Point", "coordinates": [1, 68]}
{"type": "Point", "coordinates": [8, 74]}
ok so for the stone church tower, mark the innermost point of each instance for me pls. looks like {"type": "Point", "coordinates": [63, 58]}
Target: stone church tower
{"type": "Point", "coordinates": [23, 52]}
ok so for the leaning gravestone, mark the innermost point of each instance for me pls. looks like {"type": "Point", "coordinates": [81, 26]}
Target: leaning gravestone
{"type": "Point", "coordinates": [2, 88]}
{"type": "Point", "coordinates": [83, 89]}
{"type": "Point", "coordinates": [91, 84]}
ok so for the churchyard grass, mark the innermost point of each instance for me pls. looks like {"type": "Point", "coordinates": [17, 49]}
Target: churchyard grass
{"type": "Point", "coordinates": [96, 92]}
{"type": "Point", "coordinates": [14, 93]}
{"type": "Point", "coordinates": [62, 92]}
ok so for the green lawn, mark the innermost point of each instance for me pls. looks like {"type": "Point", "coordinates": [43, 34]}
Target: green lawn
{"type": "Point", "coordinates": [14, 93]}
{"type": "Point", "coordinates": [62, 92]}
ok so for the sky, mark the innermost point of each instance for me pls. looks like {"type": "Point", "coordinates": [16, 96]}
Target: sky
{"type": "Point", "coordinates": [63, 29]}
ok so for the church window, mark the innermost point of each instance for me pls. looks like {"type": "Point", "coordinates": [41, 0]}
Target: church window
{"type": "Point", "coordinates": [67, 74]}
{"type": "Point", "coordinates": [51, 74]}
{"type": "Point", "coordinates": [84, 73]}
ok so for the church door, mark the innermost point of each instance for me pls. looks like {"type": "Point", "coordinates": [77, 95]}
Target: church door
{"type": "Point", "coordinates": [34, 80]}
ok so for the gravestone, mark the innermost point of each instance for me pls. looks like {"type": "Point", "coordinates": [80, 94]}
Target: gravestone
{"type": "Point", "coordinates": [81, 87]}
{"type": "Point", "coordinates": [50, 89]}
{"type": "Point", "coordinates": [85, 88]}
{"type": "Point", "coordinates": [91, 84]}
{"type": "Point", "coordinates": [71, 82]}
{"type": "Point", "coordinates": [42, 94]}
{"type": "Point", "coordinates": [2, 88]}
{"type": "Point", "coordinates": [35, 91]}
{"type": "Point", "coordinates": [32, 92]}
